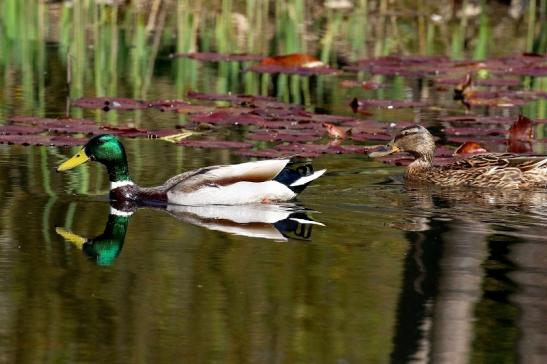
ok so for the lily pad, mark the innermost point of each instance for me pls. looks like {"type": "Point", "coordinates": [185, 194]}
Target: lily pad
{"type": "Point", "coordinates": [109, 103]}
{"type": "Point", "coordinates": [357, 104]}
{"type": "Point", "coordinates": [301, 71]}
{"type": "Point", "coordinates": [521, 130]}
{"type": "Point", "coordinates": [470, 147]}
{"type": "Point", "coordinates": [223, 144]}
{"type": "Point", "coordinates": [20, 129]}
{"type": "Point", "coordinates": [218, 57]}
{"type": "Point", "coordinates": [228, 116]}
{"type": "Point", "coordinates": [41, 140]}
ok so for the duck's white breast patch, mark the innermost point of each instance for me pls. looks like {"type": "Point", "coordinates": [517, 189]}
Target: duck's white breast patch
{"type": "Point", "coordinates": [234, 194]}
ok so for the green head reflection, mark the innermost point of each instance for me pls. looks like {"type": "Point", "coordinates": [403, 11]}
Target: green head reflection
{"type": "Point", "coordinates": [105, 248]}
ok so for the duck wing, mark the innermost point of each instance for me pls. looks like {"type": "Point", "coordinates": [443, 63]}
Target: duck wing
{"type": "Point", "coordinates": [223, 175]}
{"type": "Point", "coordinates": [484, 160]}
{"type": "Point", "coordinates": [502, 160]}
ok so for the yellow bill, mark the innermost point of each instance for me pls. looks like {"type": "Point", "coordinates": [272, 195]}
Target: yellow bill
{"type": "Point", "coordinates": [71, 237]}
{"type": "Point", "coordinates": [75, 161]}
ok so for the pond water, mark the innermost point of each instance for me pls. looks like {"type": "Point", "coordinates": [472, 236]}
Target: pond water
{"type": "Point", "coordinates": [392, 274]}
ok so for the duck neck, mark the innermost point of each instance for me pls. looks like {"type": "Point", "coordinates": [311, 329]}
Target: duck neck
{"type": "Point", "coordinates": [422, 161]}
{"type": "Point", "coordinates": [118, 174]}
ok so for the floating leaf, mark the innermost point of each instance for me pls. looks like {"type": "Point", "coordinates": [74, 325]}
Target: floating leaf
{"type": "Point", "coordinates": [41, 140]}
{"type": "Point", "coordinates": [46, 122]}
{"type": "Point", "coordinates": [301, 71]}
{"type": "Point", "coordinates": [365, 85]}
{"type": "Point", "coordinates": [317, 149]}
{"type": "Point", "coordinates": [126, 131]}
{"type": "Point", "coordinates": [285, 136]}
{"type": "Point", "coordinates": [109, 103]}
{"type": "Point", "coordinates": [479, 131]}
{"type": "Point", "coordinates": [470, 148]}
{"type": "Point", "coordinates": [293, 60]}
{"type": "Point", "coordinates": [20, 129]}
{"type": "Point", "coordinates": [215, 144]}
{"type": "Point", "coordinates": [174, 138]}
{"type": "Point", "coordinates": [228, 117]}
{"type": "Point", "coordinates": [169, 105]}
{"type": "Point", "coordinates": [335, 131]}
{"type": "Point", "coordinates": [263, 153]}
{"type": "Point", "coordinates": [357, 104]}
{"type": "Point", "coordinates": [218, 57]}
{"type": "Point", "coordinates": [239, 99]}
{"type": "Point", "coordinates": [521, 130]}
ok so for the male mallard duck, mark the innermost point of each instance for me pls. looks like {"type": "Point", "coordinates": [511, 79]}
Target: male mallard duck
{"type": "Point", "coordinates": [251, 182]}
{"type": "Point", "coordinates": [482, 170]}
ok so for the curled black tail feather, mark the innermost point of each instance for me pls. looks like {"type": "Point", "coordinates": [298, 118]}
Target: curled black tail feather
{"type": "Point", "coordinates": [295, 226]}
{"type": "Point", "coordinates": [288, 176]}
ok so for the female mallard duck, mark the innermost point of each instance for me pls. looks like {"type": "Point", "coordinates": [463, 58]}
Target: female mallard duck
{"type": "Point", "coordinates": [251, 182]}
{"type": "Point", "coordinates": [482, 170]}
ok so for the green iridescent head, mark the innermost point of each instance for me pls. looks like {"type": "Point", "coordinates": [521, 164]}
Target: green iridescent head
{"type": "Point", "coordinates": [105, 149]}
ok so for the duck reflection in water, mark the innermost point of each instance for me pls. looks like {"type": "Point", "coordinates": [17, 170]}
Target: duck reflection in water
{"type": "Point", "coordinates": [475, 266]}
{"type": "Point", "coordinates": [278, 222]}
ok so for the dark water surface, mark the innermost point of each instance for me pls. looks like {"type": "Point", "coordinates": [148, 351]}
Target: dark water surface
{"type": "Point", "coordinates": [396, 274]}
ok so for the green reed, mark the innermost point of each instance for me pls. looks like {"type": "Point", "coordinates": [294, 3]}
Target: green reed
{"type": "Point", "coordinates": [108, 46]}
{"type": "Point", "coordinates": [458, 34]}
{"type": "Point", "coordinates": [481, 48]}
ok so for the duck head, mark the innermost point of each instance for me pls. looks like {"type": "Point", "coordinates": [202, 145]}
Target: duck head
{"type": "Point", "coordinates": [415, 140]}
{"type": "Point", "coordinates": [106, 149]}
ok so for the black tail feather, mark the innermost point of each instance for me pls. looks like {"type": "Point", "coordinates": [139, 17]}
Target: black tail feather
{"type": "Point", "coordinates": [288, 176]}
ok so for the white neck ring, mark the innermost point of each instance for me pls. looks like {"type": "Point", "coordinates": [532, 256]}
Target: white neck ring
{"type": "Point", "coordinates": [118, 184]}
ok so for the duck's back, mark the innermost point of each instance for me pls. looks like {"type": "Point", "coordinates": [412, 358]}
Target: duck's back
{"type": "Point", "coordinates": [489, 170]}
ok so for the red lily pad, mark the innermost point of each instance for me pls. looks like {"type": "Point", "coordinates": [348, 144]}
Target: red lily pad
{"type": "Point", "coordinates": [222, 144]}
{"type": "Point", "coordinates": [169, 105]}
{"type": "Point", "coordinates": [536, 71]}
{"type": "Point", "coordinates": [66, 141]}
{"type": "Point", "coordinates": [69, 126]}
{"type": "Point", "coordinates": [477, 119]}
{"type": "Point", "coordinates": [265, 153]}
{"type": "Point", "coordinates": [234, 98]}
{"type": "Point", "coordinates": [41, 140]}
{"type": "Point", "coordinates": [75, 129]}
{"type": "Point", "coordinates": [479, 131]}
{"type": "Point", "coordinates": [281, 135]}
{"type": "Point", "coordinates": [228, 117]}
{"type": "Point", "coordinates": [357, 104]}
{"type": "Point", "coordinates": [521, 130]}
{"type": "Point", "coordinates": [470, 147]}
{"type": "Point", "coordinates": [292, 60]}
{"type": "Point", "coordinates": [365, 85]}
{"type": "Point", "coordinates": [109, 103]}
{"type": "Point", "coordinates": [336, 131]}
{"type": "Point", "coordinates": [125, 131]}
{"type": "Point", "coordinates": [20, 129]}
{"type": "Point", "coordinates": [301, 71]}
{"type": "Point", "coordinates": [35, 120]}
{"type": "Point", "coordinates": [312, 149]}
{"type": "Point", "coordinates": [363, 136]}
{"type": "Point", "coordinates": [195, 109]}
{"type": "Point", "coordinates": [518, 146]}
{"type": "Point", "coordinates": [218, 57]}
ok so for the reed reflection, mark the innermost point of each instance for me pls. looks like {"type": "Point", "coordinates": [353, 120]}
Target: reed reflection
{"type": "Point", "coordinates": [274, 222]}
{"type": "Point", "coordinates": [475, 271]}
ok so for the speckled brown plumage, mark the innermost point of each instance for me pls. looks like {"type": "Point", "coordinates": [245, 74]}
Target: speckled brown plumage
{"type": "Point", "coordinates": [489, 170]}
